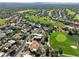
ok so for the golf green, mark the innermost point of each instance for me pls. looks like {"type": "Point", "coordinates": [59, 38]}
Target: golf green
{"type": "Point", "coordinates": [60, 37]}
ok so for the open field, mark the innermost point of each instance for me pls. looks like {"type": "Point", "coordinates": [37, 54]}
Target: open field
{"type": "Point", "coordinates": [44, 20]}
{"type": "Point", "coordinates": [61, 39]}
{"type": "Point", "coordinates": [2, 22]}
{"type": "Point", "coordinates": [70, 12]}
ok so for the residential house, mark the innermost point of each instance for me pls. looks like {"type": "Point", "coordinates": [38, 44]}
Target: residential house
{"type": "Point", "coordinates": [37, 37]}
{"type": "Point", "coordinates": [2, 35]}
{"type": "Point", "coordinates": [9, 44]}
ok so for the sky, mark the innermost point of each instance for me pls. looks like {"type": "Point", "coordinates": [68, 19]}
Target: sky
{"type": "Point", "coordinates": [75, 1]}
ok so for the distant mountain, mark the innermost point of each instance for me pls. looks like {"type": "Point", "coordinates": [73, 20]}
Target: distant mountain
{"type": "Point", "coordinates": [37, 4]}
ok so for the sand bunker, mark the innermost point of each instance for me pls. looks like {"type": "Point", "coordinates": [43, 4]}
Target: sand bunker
{"type": "Point", "coordinates": [75, 47]}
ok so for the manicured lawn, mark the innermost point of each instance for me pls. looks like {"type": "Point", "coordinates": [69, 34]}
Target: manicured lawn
{"type": "Point", "coordinates": [62, 39]}
{"type": "Point", "coordinates": [76, 17]}
{"type": "Point", "coordinates": [44, 20]}
{"type": "Point", "coordinates": [70, 12]}
{"type": "Point", "coordinates": [2, 22]}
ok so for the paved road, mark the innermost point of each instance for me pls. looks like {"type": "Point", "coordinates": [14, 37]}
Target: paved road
{"type": "Point", "coordinates": [22, 46]}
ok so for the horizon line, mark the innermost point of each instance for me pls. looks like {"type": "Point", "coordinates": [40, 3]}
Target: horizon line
{"type": "Point", "coordinates": [39, 2]}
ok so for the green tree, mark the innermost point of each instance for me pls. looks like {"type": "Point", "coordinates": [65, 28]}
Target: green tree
{"type": "Point", "coordinates": [0, 43]}
{"type": "Point", "coordinates": [13, 47]}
